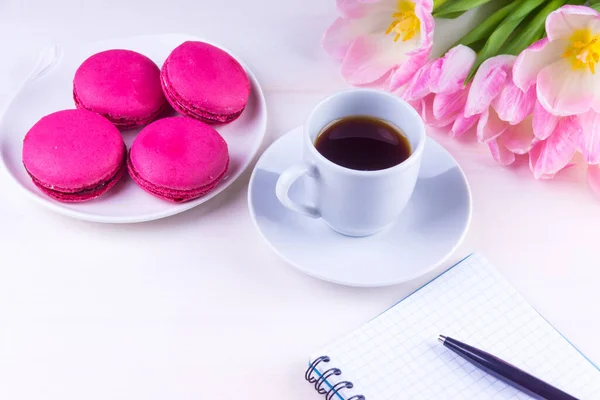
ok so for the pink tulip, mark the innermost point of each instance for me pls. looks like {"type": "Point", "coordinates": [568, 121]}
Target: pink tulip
{"type": "Point", "coordinates": [548, 157]}
{"type": "Point", "coordinates": [374, 39]}
{"type": "Point", "coordinates": [438, 92]}
{"type": "Point", "coordinates": [593, 173]}
{"type": "Point", "coordinates": [559, 138]}
{"type": "Point", "coordinates": [589, 143]}
{"type": "Point", "coordinates": [506, 112]}
{"type": "Point", "coordinates": [567, 136]}
{"type": "Point", "coordinates": [487, 84]}
{"type": "Point", "coordinates": [544, 123]}
{"type": "Point", "coordinates": [563, 65]}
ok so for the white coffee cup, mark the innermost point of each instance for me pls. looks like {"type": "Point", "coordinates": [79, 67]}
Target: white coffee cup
{"type": "Point", "coordinates": [353, 202]}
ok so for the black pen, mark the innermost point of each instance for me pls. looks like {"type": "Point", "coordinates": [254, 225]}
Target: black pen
{"type": "Point", "coordinates": [506, 372]}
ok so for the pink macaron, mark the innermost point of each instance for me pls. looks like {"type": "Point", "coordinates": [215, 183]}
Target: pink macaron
{"type": "Point", "coordinates": [178, 159]}
{"type": "Point", "coordinates": [74, 155]}
{"type": "Point", "coordinates": [122, 85]}
{"type": "Point", "coordinates": [205, 83]}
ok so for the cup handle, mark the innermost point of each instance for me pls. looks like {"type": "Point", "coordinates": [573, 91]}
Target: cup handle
{"type": "Point", "coordinates": [285, 182]}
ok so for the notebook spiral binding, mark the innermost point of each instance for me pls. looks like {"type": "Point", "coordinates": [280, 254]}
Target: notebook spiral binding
{"type": "Point", "coordinates": [318, 380]}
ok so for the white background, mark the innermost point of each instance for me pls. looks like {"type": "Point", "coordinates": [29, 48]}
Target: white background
{"type": "Point", "coordinates": [197, 306]}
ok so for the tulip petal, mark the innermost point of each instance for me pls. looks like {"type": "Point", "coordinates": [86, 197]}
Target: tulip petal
{"type": "Point", "coordinates": [415, 61]}
{"type": "Point", "coordinates": [447, 105]}
{"type": "Point", "coordinates": [360, 8]}
{"type": "Point", "coordinates": [417, 106]}
{"type": "Point", "coordinates": [373, 55]}
{"type": "Point", "coordinates": [513, 104]}
{"type": "Point", "coordinates": [534, 58]}
{"type": "Point", "coordinates": [338, 38]}
{"type": "Point", "coordinates": [593, 175]}
{"type": "Point", "coordinates": [551, 176]}
{"type": "Point", "coordinates": [488, 83]}
{"type": "Point", "coordinates": [490, 126]}
{"type": "Point", "coordinates": [423, 10]}
{"type": "Point", "coordinates": [462, 124]}
{"type": "Point", "coordinates": [416, 58]}
{"type": "Point", "coordinates": [500, 153]}
{"type": "Point", "coordinates": [425, 5]}
{"type": "Point", "coordinates": [518, 139]}
{"type": "Point", "coordinates": [564, 91]}
{"type": "Point", "coordinates": [343, 32]}
{"type": "Point", "coordinates": [547, 176]}
{"type": "Point", "coordinates": [427, 113]}
{"type": "Point", "coordinates": [370, 58]}
{"type": "Point", "coordinates": [448, 73]}
{"type": "Point", "coordinates": [544, 123]}
{"type": "Point", "coordinates": [561, 23]}
{"type": "Point", "coordinates": [553, 154]}
{"type": "Point", "coordinates": [590, 137]}
{"type": "Point", "coordinates": [418, 86]}
{"type": "Point", "coordinates": [351, 8]}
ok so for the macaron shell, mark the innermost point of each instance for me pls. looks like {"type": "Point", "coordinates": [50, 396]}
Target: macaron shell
{"type": "Point", "coordinates": [189, 110]}
{"type": "Point", "coordinates": [73, 150]}
{"type": "Point", "coordinates": [122, 85]}
{"type": "Point", "coordinates": [178, 154]}
{"type": "Point", "coordinates": [205, 81]}
{"type": "Point", "coordinates": [121, 121]}
{"type": "Point", "coordinates": [83, 195]}
{"type": "Point", "coordinates": [176, 196]}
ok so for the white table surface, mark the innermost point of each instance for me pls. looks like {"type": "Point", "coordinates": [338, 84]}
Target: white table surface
{"type": "Point", "coordinates": [197, 306]}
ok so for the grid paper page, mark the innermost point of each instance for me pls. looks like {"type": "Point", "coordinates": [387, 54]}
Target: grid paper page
{"type": "Point", "coordinates": [397, 355]}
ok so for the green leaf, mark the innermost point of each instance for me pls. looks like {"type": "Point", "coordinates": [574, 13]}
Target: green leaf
{"type": "Point", "coordinates": [503, 31]}
{"type": "Point", "coordinates": [484, 29]}
{"type": "Point", "coordinates": [477, 46]}
{"type": "Point", "coordinates": [532, 31]}
{"type": "Point", "coordinates": [452, 7]}
{"type": "Point", "coordinates": [437, 4]}
{"type": "Point", "coordinates": [452, 15]}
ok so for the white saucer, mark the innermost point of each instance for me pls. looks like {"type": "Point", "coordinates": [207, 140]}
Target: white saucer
{"type": "Point", "coordinates": [427, 232]}
{"type": "Point", "coordinates": [50, 88]}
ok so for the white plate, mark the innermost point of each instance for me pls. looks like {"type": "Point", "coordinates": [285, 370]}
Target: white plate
{"type": "Point", "coordinates": [50, 88]}
{"type": "Point", "coordinates": [433, 224]}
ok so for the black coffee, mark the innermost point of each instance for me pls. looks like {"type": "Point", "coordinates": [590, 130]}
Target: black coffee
{"type": "Point", "coordinates": [363, 143]}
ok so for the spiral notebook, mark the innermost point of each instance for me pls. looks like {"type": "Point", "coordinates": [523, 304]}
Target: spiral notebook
{"type": "Point", "coordinates": [397, 355]}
